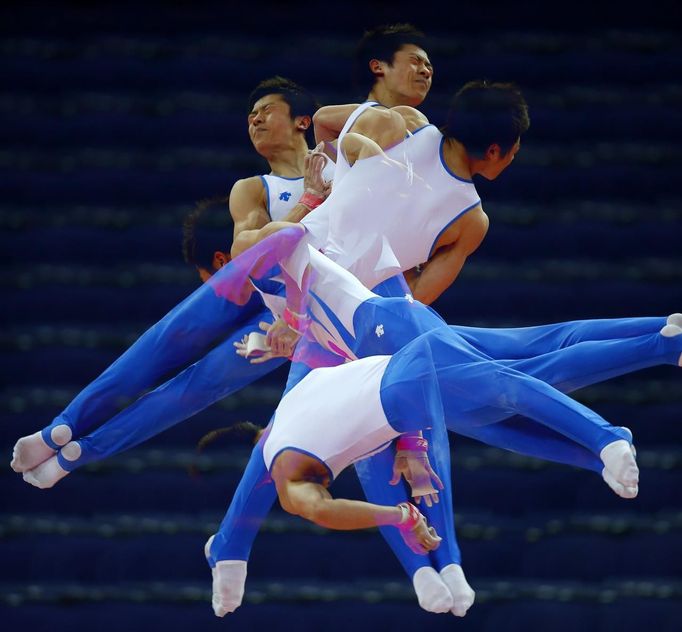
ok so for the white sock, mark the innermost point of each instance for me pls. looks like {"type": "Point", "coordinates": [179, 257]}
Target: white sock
{"type": "Point", "coordinates": [432, 593]}
{"type": "Point", "coordinates": [619, 460]}
{"type": "Point", "coordinates": [462, 594]}
{"type": "Point", "coordinates": [46, 474]}
{"type": "Point", "coordinates": [229, 578]}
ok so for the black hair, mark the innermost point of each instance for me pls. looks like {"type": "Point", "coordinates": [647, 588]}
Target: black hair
{"type": "Point", "coordinates": [300, 101]}
{"type": "Point", "coordinates": [484, 114]}
{"type": "Point", "coordinates": [243, 432]}
{"type": "Point", "coordinates": [207, 229]}
{"type": "Point", "coordinates": [382, 43]}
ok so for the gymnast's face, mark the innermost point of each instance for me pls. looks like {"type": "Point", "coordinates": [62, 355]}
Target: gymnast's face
{"type": "Point", "coordinates": [271, 126]}
{"type": "Point", "coordinates": [407, 80]}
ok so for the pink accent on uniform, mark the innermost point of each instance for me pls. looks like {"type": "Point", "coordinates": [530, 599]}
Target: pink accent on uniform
{"type": "Point", "coordinates": [338, 350]}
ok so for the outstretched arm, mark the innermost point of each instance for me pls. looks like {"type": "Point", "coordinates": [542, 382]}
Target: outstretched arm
{"type": "Point", "coordinates": [313, 502]}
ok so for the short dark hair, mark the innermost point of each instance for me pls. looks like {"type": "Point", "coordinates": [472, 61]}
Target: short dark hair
{"type": "Point", "coordinates": [206, 230]}
{"type": "Point", "coordinates": [483, 114]}
{"type": "Point", "coordinates": [300, 101]}
{"type": "Point", "coordinates": [383, 42]}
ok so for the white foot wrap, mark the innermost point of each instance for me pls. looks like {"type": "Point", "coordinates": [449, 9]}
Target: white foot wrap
{"type": "Point", "coordinates": [432, 593]}
{"type": "Point", "coordinates": [621, 490]}
{"type": "Point", "coordinates": [462, 594]}
{"type": "Point", "coordinates": [229, 578]}
{"type": "Point", "coordinates": [619, 459]}
{"type": "Point", "coordinates": [46, 474]}
{"type": "Point", "coordinates": [72, 451]}
{"type": "Point", "coordinates": [675, 319]}
{"type": "Point", "coordinates": [672, 329]}
{"type": "Point", "coordinates": [29, 452]}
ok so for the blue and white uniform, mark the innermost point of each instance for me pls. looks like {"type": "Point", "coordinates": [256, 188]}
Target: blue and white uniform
{"type": "Point", "coordinates": [386, 213]}
{"type": "Point", "coordinates": [316, 416]}
{"type": "Point", "coordinates": [282, 194]}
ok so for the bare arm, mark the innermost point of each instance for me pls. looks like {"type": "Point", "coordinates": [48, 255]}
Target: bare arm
{"type": "Point", "coordinates": [452, 250]}
{"type": "Point", "coordinates": [248, 205]}
{"type": "Point", "coordinates": [384, 126]}
{"type": "Point", "coordinates": [329, 120]}
{"type": "Point", "coordinates": [248, 238]}
{"type": "Point", "coordinates": [313, 502]}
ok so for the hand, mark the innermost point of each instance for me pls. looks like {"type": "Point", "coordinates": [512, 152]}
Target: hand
{"type": "Point", "coordinates": [314, 164]}
{"type": "Point", "coordinates": [244, 348]}
{"type": "Point", "coordinates": [414, 466]}
{"type": "Point", "coordinates": [279, 342]}
{"type": "Point", "coordinates": [421, 538]}
{"type": "Point", "coordinates": [280, 338]}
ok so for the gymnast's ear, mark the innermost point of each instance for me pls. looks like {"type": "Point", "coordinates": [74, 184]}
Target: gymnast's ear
{"type": "Point", "coordinates": [376, 67]}
{"type": "Point", "coordinates": [220, 259]}
{"type": "Point", "coordinates": [303, 122]}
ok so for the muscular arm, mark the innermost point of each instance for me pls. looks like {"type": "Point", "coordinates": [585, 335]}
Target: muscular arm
{"type": "Point", "coordinates": [452, 250]}
{"type": "Point", "coordinates": [313, 502]}
{"type": "Point", "coordinates": [298, 479]}
{"type": "Point", "coordinates": [248, 205]}
{"type": "Point", "coordinates": [384, 126]}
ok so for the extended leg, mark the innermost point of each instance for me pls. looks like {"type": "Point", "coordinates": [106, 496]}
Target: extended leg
{"type": "Point", "coordinates": [526, 342]}
{"type": "Point", "coordinates": [462, 374]}
{"type": "Point", "coordinates": [228, 551]}
{"type": "Point", "coordinates": [220, 373]}
{"type": "Point", "coordinates": [568, 369]}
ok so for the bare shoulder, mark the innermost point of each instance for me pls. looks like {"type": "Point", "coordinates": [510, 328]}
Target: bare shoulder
{"type": "Point", "coordinates": [467, 232]}
{"type": "Point", "coordinates": [247, 186]}
{"type": "Point", "coordinates": [473, 227]}
{"type": "Point", "coordinates": [246, 194]}
{"type": "Point", "coordinates": [413, 118]}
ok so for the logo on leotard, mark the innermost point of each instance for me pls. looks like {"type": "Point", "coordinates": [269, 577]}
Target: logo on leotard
{"type": "Point", "coordinates": [379, 331]}
{"type": "Point", "coordinates": [284, 196]}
